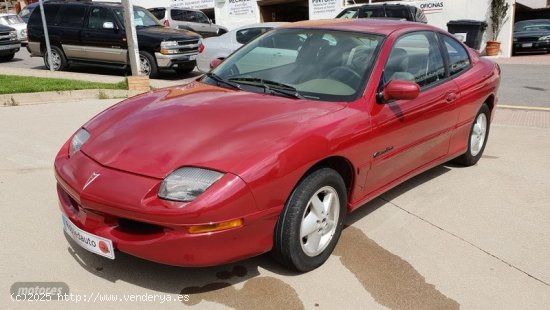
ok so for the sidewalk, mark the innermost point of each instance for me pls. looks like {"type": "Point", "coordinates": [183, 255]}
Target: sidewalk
{"type": "Point", "coordinates": [523, 59]}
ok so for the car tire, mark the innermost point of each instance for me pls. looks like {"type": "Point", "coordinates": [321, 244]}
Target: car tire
{"type": "Point", "coordinates": [148, 64]}
{"type": "Point", "coordinates": [477, 138]}
{"type": "Point", "coordinates": [7, 57]}
{"type": "Point", "coordinates": [58, 58]}
{"type": "Point", "coordinates": [184, 69]}
{"type": "Point", "coordinates": [307, 232]}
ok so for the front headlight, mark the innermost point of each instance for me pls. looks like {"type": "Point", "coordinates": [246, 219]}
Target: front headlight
{"type": "Point", "coordinates": [78, 140]}
{"type": "Point", "coordinates": [13, 35]}
{"type": "Point", "coordinates": [169, 47]}
{"type": "Point", "coordinates": [168, 44]}
{"type": "Point", "coordinates": [186, 184]}
{"type": "Point", "coordinates": [545, 38]}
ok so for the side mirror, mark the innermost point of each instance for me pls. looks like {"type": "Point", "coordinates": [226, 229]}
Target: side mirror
{"type": "Point", "coordinates": [400, 90]}
{"type": "Point", "coordinates": [215, 62]}
{"type": "Point", "coordinates": [108, 25]}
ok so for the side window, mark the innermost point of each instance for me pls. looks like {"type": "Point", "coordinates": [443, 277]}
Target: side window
{"type": "Point", "coordinates": [72, 15]}
{"type": "Point", "coordinates": [98, 16]}
{"type": "Point", "coordinates": [244, 36]}
{"type": "Point", "coordinates": [459, 59]}
{"type": "Point", "coordinates": [180, 15]}
{"type": "Point", "coordinates": [159, 13]}
{"type": "Point", "coordinates": [416, 57]}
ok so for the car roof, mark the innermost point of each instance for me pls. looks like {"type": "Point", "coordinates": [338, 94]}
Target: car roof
{"type": "Point", "coordinates": [268, 24]}
{"type": "Point", "coordinates": [368, 25]}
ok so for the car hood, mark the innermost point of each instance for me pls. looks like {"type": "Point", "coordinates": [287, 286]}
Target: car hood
{"type": "Point", "coordinates": [524, 34]}
{"type": "Point", "coordinates": [19, 26]}
{"type": "Point", "coordinates": [165, 33]}
{"type": "Point", "coordinates": [199, 125]}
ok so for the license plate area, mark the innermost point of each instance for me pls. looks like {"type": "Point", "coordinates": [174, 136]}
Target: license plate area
{"type": "Point", "coordinates": [93, 243]}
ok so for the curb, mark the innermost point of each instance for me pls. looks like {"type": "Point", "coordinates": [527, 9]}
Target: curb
{"type": "Point", "coordinates": [9, 100]}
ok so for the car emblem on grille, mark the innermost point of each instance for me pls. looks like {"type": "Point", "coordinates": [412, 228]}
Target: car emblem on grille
{"type": "Point", "coordinates": [91, 179]}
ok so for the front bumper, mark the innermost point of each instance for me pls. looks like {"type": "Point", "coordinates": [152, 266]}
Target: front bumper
{"type": "Point", "coordinates": [124, 208]}
{"type": "Point", "coordinates": [532, 46]}
{"type": "Point", "coordinates": [7, 49]}
{"type": "Point", "coordinates": [168, 61]}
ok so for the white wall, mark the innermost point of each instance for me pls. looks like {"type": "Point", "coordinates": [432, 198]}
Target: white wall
{"type": "Point", "coordinates": [534, 4]}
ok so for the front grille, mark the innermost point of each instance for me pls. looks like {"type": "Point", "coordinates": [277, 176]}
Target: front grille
{"type": "Point", "coordinates": [188, 46]}
{"type": "Point", "coordinates": [135, 227]}
{"type": "Point", "coordinates": [528, 39]}
{"type": "Point", "coordinates": [5, 36]}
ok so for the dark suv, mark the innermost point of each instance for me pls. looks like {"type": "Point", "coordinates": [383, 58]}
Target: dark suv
{"type": "Point", "coordinates": [9, 45]}
{"type": "Point", "coordinates": [393, 11]}
{"type": "Point", "coordinates": [93, 33]}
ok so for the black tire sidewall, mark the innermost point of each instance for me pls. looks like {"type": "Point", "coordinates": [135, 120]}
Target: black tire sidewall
{"type": "Point", "coordinates": [59, 51]}
{"type": "Point", "coordinates": [152, 63]}
{"type": "Point", "coordinates": [287, 241]}
{"type": "Point", "coordinates": [469, 159]}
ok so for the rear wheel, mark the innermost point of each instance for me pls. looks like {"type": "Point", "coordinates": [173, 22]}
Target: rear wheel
{"type": "Point", "coordinates": [148, 64]}
{"type": "Point", "coordinates": [311, 223]}
{"type": "Point", "coordinates": [479, 132]}
{"type": "Point", "coordinates": [7, 57]}
{"type": "Point", "coordinates": [59, 61]}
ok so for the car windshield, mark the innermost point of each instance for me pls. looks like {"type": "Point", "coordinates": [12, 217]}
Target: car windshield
{"type": "Point", "coordinates": [532, 25]}
{"type": "Point", "coordinates": [142, 17]}
{"type": "Point", "coordinates": [302, 63]}
{"type": "Point", "coordinates": [11, 20]}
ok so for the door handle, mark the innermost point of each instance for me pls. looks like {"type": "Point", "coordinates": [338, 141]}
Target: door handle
{"type": "Point", "coordinates": [451, 97]}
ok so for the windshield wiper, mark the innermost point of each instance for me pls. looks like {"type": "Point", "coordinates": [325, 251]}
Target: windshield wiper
{"type": "Point", "coordinates": [220, 80]}
{"type": "Point", "coordinates": [270, 87]}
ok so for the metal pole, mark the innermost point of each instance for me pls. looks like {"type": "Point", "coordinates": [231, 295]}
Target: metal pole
{"type": "Point", "coordinates": [131, 37]}
{"type": "Point", "coordinates": [46, 36]}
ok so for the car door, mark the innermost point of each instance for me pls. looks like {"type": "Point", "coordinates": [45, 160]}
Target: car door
{"type": "Point", "coordinates": [68, 28]}
{"type": "Point", "coordinates": [413, 133]}
{"type": "Point", "coordinates": [203, 24]}
{"type": "Point", "coordinates": [180, 19]}
{"type": "Point", "coordinates": [103, 38]}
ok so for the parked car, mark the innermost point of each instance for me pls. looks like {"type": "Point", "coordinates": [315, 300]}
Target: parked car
{"type": "Point", "coordinates": [385, 10]}
{"type": "Point", "coordinates": [9, 45]}
{"type": "Point", "coordinates": [189, 19]}
{"type": "Point", "coordinates": [262, 156]}
{"type": "Point", "coordinates": [532, 36]}
{"type": "Point", "coordinates": [92, 33]}
{"type": "Point", "coordinates": [222, 46]}
{"type": "Point", "coordinates": [16, 23]}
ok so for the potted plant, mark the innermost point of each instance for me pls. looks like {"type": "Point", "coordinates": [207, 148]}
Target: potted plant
{"type": "Point", "coordinates": [499, 16]}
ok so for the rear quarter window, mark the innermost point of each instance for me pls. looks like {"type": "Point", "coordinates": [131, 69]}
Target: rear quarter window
{"type": "Point", "coordinates": [50, 11]}
{"type": "Point", "coordinates": [459, 60]}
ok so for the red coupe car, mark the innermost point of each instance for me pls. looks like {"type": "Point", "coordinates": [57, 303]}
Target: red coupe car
{"type": "Point", "coordinates": [271, 149]}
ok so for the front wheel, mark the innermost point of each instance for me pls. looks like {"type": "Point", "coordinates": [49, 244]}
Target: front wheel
{"type": "Point", "coordinates": [311, 222]}
{"type": "Point", "coordinates": [148, 64]}
{"type": "Point", "coordinates": [479, 132]}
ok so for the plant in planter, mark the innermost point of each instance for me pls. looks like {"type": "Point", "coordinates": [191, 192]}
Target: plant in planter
{"type": "Point", "coordinates": [499, 16]}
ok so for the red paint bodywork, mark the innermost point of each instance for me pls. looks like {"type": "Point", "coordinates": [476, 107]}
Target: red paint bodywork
{"type": "Point", "coordinates": [264, 144]}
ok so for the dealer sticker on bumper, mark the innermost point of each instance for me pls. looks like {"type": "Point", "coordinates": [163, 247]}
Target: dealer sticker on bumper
{"type": "Point", "coordinates": [90, 242]}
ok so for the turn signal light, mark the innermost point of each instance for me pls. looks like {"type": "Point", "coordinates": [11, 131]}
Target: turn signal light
{"type": "Point", "coordinates": [199, 229]}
